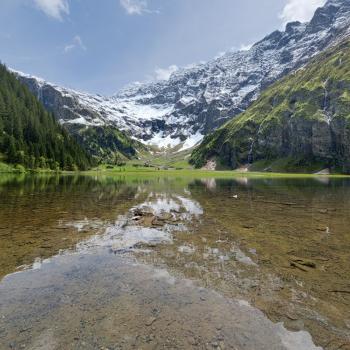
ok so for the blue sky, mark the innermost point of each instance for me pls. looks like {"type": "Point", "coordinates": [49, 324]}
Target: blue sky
{"type": "Point", "coordinates": [101, 45]}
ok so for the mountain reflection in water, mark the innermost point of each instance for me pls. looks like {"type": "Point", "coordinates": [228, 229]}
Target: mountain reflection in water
{"type": "Point", "coordinates": [95, 245]}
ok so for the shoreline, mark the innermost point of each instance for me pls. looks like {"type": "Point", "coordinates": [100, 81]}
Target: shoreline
{"type": "Point", "coordinates": [186, 173]}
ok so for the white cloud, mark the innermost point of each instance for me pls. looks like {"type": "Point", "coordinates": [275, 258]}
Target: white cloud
{"type": "Point", "coordinates": [245, 47]}
{"type": "Point", "coordinates": [76, 43]}
{"type": "Point", "coordinates": [53, 8]}
{"type": "Point", "coordinates": [242, 47]}
{"type": "Point", "coordinates": [300, 10]}
{"type": "Point", "coordinates": [220, 54]}
{"type": "Point", "coordinates": [165, 73]}
{"type": "Point", "coordinates": [134, 7]}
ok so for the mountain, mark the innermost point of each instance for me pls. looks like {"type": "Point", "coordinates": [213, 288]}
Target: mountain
{"type": "Point", "coordinates": [195, 101]}
{"type": "Point", "coordinates": [86, 117]}
{"type": "Point", "coordinates": [301, 122]}
{"type": "Point", "coordinates": [31, 136]}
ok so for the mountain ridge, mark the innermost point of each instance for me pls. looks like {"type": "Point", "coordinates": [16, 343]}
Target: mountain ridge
{"type": "Point", "coordinates": [195, 101]}
{"type": "Point", "coordinates": [299, 122]}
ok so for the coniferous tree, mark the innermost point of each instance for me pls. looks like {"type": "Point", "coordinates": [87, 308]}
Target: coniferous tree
{"type": "Point", "coordinates": [31, 136]}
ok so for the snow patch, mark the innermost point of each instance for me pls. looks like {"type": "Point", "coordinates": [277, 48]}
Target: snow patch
{"type": "Point", "coordinates": [161, 141]}
{"type": "Point", "coordinates": [192, 141]}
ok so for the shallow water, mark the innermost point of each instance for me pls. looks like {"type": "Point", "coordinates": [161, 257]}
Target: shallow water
{"type": "Point", "coordinates": [126, 262]}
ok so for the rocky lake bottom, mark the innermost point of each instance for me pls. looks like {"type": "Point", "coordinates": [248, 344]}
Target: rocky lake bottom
{"type": "Point", "coordinates": [154, 262]}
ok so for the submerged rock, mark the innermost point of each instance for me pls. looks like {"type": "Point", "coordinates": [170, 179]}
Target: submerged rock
{"type": "Point", "coordinates": [302, 264]}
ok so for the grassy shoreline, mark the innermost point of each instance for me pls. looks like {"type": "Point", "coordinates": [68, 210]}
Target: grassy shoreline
{"type": "Point", "coordinates": [211, 173]}
{"type": "Point", "coordinates": [144, 171]}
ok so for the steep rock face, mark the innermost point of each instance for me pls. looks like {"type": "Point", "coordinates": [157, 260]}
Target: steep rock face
{"type": "Point", "coordinates": [197, 100]}
{"type": "Point", "coordinates": [304, 118]}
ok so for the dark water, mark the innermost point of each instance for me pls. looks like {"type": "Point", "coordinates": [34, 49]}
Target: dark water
{"type": "Point", "coordinates": [174, 263]}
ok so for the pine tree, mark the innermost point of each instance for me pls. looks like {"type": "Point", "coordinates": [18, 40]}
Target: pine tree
{"type": "Point", "coordinates": [29, 135]}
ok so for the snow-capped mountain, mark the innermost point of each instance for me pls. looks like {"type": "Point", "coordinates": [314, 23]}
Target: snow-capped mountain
{"type": "Point", "coordinates": [194, 101]}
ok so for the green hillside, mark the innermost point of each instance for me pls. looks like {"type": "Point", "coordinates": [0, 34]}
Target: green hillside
{"type": "Point", "coordinates": [301, 123]}
{"type": "Point", "coordinates": [29, 135]}
{"type": "Point", "coordinates": [106, 144]}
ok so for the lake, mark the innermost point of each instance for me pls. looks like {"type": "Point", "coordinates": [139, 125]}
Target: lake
{"type": "Point", "coordinates": [157, 262]}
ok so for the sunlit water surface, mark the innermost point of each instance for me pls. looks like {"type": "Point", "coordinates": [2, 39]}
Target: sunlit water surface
{"type": "Point", "coordinates": [175, 263]}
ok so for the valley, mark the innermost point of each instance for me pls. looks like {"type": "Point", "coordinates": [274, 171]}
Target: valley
{"type": "Point", "coordinates": [177, 113]}
{"type": "Point", "coordinates": [205, 207]}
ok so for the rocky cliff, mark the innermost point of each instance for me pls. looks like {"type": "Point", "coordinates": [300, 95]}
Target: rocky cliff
{"type": "Point", "coordinates": [301, 122]}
